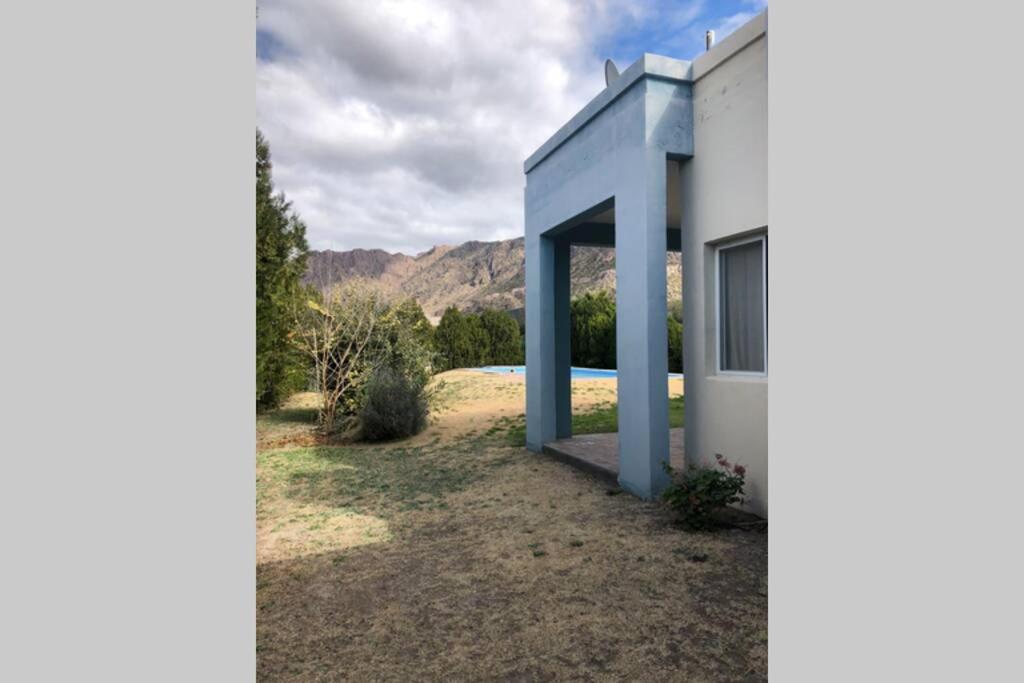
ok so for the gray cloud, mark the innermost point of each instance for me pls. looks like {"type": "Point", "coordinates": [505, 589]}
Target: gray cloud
{"type": "Point", "coordinates": [402, 125]}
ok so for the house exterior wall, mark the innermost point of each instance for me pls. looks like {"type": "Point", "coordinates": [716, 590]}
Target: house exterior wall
{"type": "Point", "coordinates": [724, 192]}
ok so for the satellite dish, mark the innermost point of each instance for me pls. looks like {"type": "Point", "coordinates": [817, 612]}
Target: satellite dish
{"type": "Point", "coordinates": [611, 72]}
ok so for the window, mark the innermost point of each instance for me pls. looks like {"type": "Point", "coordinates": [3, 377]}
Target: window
{"type": "Point", "coordinates": [742, 306]}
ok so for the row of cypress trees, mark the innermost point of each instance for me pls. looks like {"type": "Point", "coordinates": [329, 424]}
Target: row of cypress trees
{"type": "Point", "coordinates": [469, 340]}
{"type": "Point", "coordinates": [593, 332]}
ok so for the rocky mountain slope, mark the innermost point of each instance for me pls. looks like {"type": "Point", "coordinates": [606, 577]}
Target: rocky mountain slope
{"type": "Point", "coordinates": [472, 276]}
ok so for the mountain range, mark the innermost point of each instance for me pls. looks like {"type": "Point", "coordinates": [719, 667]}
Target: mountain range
{"type": "Point", "coordinates": [471, 276]}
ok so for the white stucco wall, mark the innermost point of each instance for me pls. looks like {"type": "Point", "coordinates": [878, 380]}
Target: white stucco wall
{"type": "Point", "coordinates": [724, 191]}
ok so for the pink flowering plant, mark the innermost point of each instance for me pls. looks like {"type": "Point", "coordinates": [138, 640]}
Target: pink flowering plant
{"type": "Point", "coordinates": [701, 491]}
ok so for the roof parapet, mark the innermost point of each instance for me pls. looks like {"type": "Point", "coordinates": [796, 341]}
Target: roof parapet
{"type": "Point", "coordinates": [730, 45]}
{"type": "Point", "coordinates": [653, 66]}
{"type": "Point", "coordinates": [648, 66]}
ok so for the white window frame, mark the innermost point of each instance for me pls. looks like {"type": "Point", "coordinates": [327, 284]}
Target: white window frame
{"type": "Point", "coordinates": [763, 239]}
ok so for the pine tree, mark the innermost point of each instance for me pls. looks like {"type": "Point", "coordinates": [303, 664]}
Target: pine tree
{"type": "Point", "coordinates": [280, 263]}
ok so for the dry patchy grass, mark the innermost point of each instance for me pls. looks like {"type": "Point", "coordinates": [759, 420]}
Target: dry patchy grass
{"type": "Point", "coordinates": [453, 556]}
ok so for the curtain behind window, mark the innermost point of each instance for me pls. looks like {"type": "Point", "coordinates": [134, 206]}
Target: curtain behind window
{"type": "Point", "coordinates": [741, 273]}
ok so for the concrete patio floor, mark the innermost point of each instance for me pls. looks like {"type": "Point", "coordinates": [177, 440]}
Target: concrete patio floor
{"type": "Point", "coordinates": [599, 453]}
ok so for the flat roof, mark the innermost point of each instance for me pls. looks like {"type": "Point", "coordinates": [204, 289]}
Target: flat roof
{"type": "Point", "coordinates": [648, 65]}
{"type": "Point", "coordinates": [652, 66]}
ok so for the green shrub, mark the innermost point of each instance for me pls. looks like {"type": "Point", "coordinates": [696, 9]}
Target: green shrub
{"type": "Point", "coordinates": [701, 491]}
{"type": "Point", "coordinates": [395, 406]}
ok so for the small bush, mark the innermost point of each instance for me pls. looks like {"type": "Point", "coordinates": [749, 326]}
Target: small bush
{"type": "Point", "coordinates": [395, 406]}
{"type": "Point", "coordinates": [701, 491]}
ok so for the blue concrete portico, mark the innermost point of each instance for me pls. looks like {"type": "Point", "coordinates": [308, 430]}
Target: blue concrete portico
{"type": "Point", "coordinates": [603, 179]}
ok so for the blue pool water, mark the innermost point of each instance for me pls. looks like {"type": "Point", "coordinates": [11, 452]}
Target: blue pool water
{"type": "Point", "coordinates": [577, 373]}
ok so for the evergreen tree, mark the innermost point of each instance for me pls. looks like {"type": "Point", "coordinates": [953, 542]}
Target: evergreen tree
{"type": "Point", "coordinates": [478, 343]}
{"type": "Point", "coordinates": [410, 315]}
{"type": "Point", "coordinates": [409, 341]}
{"type": "Point", "coordinates": [504, 339]}
{"type": "Point", "coordinates": [280, 263]}
{"type": "Point", "coordinates": [449, 338]}
{"type": "Point", "coordinates": [593, 330]}
{"type": "Point", "coordinates": [675, 345]}
{"type": "Point", "coordinates": [461, 340]}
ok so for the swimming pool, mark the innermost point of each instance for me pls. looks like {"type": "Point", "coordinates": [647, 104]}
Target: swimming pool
{"type": "Point", "coordinates": [577, 373]}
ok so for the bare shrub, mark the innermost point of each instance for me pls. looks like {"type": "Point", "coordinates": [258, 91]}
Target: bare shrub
{"type": "Point", "coordinates": [338, 333]}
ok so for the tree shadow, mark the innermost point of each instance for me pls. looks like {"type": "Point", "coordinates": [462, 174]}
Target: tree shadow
{"type": "Point", "coordinates": [377, 481]}
{"type": "Point", "coordinates": [291, 416]}
{"type": "Point", "coordinates": [440, 605]}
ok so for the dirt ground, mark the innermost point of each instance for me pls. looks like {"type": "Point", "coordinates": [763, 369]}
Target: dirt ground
{"type": "Point", "coordinates": [455, 556]}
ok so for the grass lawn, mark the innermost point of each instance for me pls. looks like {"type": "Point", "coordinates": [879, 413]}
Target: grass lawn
{"type": "Point", "coordinates": [457, 556]}
{"type": "Point", "coordinates": [600, 418]}
{"type": "Point", "coordinates": [605, 418]}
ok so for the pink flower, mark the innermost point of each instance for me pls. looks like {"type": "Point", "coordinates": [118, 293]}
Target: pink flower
{"type": "Point", "coordinates": [739, 469]}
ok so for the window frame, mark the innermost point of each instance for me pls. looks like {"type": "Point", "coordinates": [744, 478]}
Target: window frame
{"type": "Point", "coordinates": [719, 248]}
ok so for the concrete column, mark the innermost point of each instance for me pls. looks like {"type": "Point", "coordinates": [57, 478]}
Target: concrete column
{"type": "Point", "coordinates": [548, 388]}
{"type": "Point", "coordinates": [641, 330]}
{"type": "Point", "coordinates": [540, 341]}
{"type": "Point", "coordinates": [563, 342]}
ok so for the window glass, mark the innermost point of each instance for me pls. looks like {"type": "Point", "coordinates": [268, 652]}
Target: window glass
{"type": "Point", "coordinates": [741, 307]}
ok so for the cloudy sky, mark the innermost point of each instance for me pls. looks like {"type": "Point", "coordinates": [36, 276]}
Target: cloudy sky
{"type": "Point", "coordinates": [400, 124]}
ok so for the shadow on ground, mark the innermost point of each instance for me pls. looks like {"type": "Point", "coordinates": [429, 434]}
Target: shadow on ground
{"type": "Point", "coordinates": [457, 555]}
{"type": "Point", "coordinates": [530, 571]}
